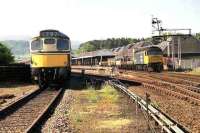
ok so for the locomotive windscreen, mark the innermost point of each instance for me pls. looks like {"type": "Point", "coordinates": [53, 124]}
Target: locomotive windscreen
{"type": "Point", "coordinates": [63, 44]}
{"type": "Point", "coordinates": [154, 51]}
{"type": "Point", "coordinates": [36, 45]}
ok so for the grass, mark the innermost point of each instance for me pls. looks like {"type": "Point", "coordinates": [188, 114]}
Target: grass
{"type": "Point", "coordinates": [155, 104]}
{"type": "Point", "coordinates": [92, 95]}
{"type": "Point", "coordinates": [195, 71]}
{"type": "Point", "coordinates": [109, 94]}
{"type": "Point", "coordinates": [95, 110]}
{"type": "Point", "coordinates": [113, 123]}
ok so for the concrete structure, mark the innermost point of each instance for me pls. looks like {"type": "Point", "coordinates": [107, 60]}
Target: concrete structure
{"type": "Point", "coordinates": [181, 51]}
{"type": "Point", "coordinates": [98, 57]}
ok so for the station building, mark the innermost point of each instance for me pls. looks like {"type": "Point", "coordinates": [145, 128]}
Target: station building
{"type": "Point", "coordinates": [181, 51]}
{"type": "Point", "coordinates": [99, 57]}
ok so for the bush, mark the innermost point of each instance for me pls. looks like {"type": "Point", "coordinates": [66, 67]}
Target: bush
{"type": "Point", "coordinates": [6, 56]}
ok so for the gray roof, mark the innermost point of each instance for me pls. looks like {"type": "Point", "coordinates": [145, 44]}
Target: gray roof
{"type": "Point", "coordinates": [142, 44]}
{"type": "Point", "coordinates": [122, 49]}
{"type": "Point", "coordinates": [129, 46]}
{"type": "Point", "coordinates": [188, 45]}
{"type": "Point", "coordinates": [104, 52]}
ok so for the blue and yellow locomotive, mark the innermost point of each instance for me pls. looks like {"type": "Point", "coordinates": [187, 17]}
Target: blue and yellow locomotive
{"type": "Point", "coordinates": [148, 58]}
{"type": "Point", "coordinates": [50, 57]}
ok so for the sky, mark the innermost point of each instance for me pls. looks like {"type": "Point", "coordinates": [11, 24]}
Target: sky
{"type": "Point", "coordinates": [84, 20]}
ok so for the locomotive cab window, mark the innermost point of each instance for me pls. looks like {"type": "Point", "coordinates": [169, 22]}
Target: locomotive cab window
{"type": "Point", "coordinates": [62, 44]}
{"type": "Point", "coordinates": [36, 45]}
{"type": "Point", "coordinates": [49, 41]}
{"type": "Point", "coordinates": [154, 52]}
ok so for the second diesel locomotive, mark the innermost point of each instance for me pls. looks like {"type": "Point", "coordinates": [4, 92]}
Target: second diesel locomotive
{"type": "Point", "coordinates": [50, 58]}
{"type": "Point", "coordinates": [145, 58]}
{"type": "Point", "coordinates": [148, 58]}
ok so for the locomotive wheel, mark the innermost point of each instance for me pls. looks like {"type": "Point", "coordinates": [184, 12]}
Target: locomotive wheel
{"type": "Point", "coordinates": [42, 83]}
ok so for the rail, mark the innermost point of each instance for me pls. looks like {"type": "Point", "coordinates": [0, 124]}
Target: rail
{"type": "Point", "coordinates": [27, 114]}
{"type": "Point", "coordinates": [167, 124]}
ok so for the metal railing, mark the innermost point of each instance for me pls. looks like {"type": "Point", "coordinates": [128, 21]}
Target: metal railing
{"type": "Point", "coordinates": [167, 124]}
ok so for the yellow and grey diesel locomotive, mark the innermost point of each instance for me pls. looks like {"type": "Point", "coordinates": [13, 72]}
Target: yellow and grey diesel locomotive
{"type": "Point", "coordinates": [148, 58]}
{"type": "Point", "coordinates": [50, 58]}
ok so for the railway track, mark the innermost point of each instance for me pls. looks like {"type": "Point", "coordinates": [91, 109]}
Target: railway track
{"type": "Point", "coordinates": [26, 114]}
{"type": "Point", "coordinates": [166, 88]}
{"type": "Point", "coordinates": [185, 84]}
{"type": "Point", "coordinates": [188, 77]}
{"type": "Point", "coordinates": [176, 78]}
{"type": "Point", "coordinates": [166, 123]}
{"type": "Point", "coordinates": [180, 91]}
{"type": "Point", "coordinates": [169, 77]}
{"type": "Point", "coordinates": [164, 84]}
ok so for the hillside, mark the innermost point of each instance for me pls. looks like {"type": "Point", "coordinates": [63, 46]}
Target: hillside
{"type": "Point", "coordinates": [105, 44]}
{"type": "Point", "coordinates": [19, 48]}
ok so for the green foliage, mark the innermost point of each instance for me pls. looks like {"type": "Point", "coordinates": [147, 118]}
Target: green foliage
{"type": "Point", "coordinates": [92, 95]}
{"type": "Point", "coordinates": [105, 44]}
{"type": "Point", "coordinates": [198, 36]}
{"type": "Point", "coordinates": [6, 56]}
{"type": "Point", "coordinates": [109, 93]}
{"type": "Point", "coordinates": [87, 47]}
{"type": "Point", "coordinates": [19, 48]}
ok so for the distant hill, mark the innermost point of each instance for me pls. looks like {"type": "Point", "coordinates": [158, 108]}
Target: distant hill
{"type": "Point", "coordinates": [105, 44]}
{"type": "Point", "coordinates": [19, 48]}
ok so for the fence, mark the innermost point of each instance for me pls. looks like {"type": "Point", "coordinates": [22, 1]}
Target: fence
{"type": "Point", "coordinates": [15, 72]}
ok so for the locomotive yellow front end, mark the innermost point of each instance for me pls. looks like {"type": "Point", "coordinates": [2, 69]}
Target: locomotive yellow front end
{"type": "Point", "coordinates": [154, 58]}
{"type": "Point", "coordinates": [148, 58]}
{"type": "Point", "coordinates": [50, 58]}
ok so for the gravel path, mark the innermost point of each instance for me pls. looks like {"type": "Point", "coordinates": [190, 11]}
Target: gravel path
{"type": "Point", "coordinates": [59, 121]}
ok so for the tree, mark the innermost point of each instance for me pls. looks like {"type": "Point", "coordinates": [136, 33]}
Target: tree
{"type": "Point", "coordinates": [87, 47]}
{"type": "Point", "coordinates": [197, 36]}
{"type": "Point", "coordinates": [6, 56]}
{"type": "Point", "coordinates": [105, 44]}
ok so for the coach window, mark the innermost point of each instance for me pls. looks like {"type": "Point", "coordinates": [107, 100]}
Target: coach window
{"type": "Point", "coordinates": [36, 45]}
{"type": "Point", "coordinates": [63, 44]}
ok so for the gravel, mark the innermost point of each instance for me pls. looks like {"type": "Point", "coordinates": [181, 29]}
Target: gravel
{"type": "Point", "coordinates": [182, 111]}
{"type": "Point", "coordinates": [59, 121]}
{"type": "Point", "coordinates": [11, 91]}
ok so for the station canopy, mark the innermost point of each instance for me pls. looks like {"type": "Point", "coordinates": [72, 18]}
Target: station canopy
{"type": "Point", "coordinates": [98, 53]}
